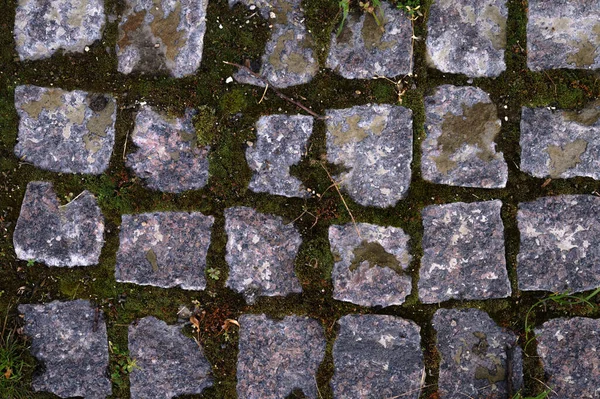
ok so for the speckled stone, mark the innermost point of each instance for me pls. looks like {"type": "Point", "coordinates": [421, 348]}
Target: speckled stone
{"type": "Point", "coordinates": [69, 339]}
{"type": "Point", "coordinates": [373, 143]}
{"type": "Point", "coordinates": [162, 36]}
{"type": "Point", "coordinates": [478, 358]}
{"type": "Point", "coordinates": [281, 142]}
{"type": "Point", "coordinates": [278, 357]}
{"type": "Point", "coordinates": [563, 34]}
{"type": "Point", "coordinates": [58, 235]}
{"type": "Point", "coordinates": [467, 36]}
{"type": "Point", "coordinates": [261, 253]}
{"type": "Point", "coordinates": [568, 348]}
{"type": "Point", "coordinates": [377, 356]}
{"type": "Point", "coordinates": [463, 252]}
{"type": "Point", "coordinates": [42, 27]}
{"type": "Point", "coordinates": [65, 131]}
{"type": "Point", "coordinates": [169, 363]}
{"type": "Point", "coordinates": [560, 244]}
{"type": "Point", "coordinates": [370, 270]}
{"type": "Point", "coordinates": [168, 157]}
{"type": "Point", "coordinates": [164, 249]}
{"type": "Point", "coordinates": [459, 149]}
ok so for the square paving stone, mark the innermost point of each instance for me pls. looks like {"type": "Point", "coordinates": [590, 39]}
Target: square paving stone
{"type": "Point", "coordinates": [370, 270]}
{"type": "Point", "coordinates": [467, 36]}
{"type": "Point", "coordinates": [563, 34]}
{"type": "Point", "coordinates": [261, 254]}
{"type": "Point", "coordinates": [277, 358]}
{"type": "Point", "coordinates": [463, 252]}
{"type": "Point", "coordinates": [164, 249]}
{"type": "Point", "coordinates": [377, 356]}
{"type": "Point", "coordinates": [58, 235]}
{"type": "Point", "coordinates": [65, 131]}
{"type": "Point", "coordinates": [69, 341]}
{"type": "Point", "coordinates": [478, 358]}
{"type": "Point", "coordinates": [560, 244]}
{"type": "Point", "coordinates": [461, 124]}
{"type": "Point", "coordinates": [373, 143]}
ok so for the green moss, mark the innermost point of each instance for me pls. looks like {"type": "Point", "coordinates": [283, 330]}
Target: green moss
{"type": "Point", "coordinates": [233, 101]}
{"type": "Point", "coordinates": [205, 123]}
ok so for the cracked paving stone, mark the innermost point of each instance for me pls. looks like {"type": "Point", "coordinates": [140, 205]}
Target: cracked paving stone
{"type": "Point", "coordinates": [478, 358]}
{"type": "Point", "coordinates": [65, 131]}
{"type": "Point", "coordinates": [463, 252]}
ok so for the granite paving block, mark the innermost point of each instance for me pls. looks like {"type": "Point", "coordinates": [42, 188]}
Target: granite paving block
{"type": "Point", "coordinates": [463, 252]}
{"type": "Point", "coordinates": [377, 356]}
{"type": "Point", "coordinates": [65, 131]}
{"type": "Point", "coordinates": [370, 270]}
{"type": "Point", "coordinates": [69, 340]}
{"type": "Point", "coordinates": [164, 249]}
{"type": "Point", "coordinates": [277, 358]}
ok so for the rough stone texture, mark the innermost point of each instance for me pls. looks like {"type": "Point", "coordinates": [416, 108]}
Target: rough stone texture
{"type": "Point", "coordinates": [373, 143]}
{"type": "Point", "coordinates": [563, 34]}
{"type": "Point", "coordinates": [164, 249]}
{"type": "Point", "coordinates": [281, 141]}
{"type": "Point", "coordinates": [467, 36]}
{"type": "Point", "coordinates": [370, 270]}
{"type": "Point", "coordinates": [377, 356]}
{"type": "Point", "coordinates": [278, 357]}
{"type": "Point", "coordinates": [58, 235]}
{"type": "Point", "coordinates": [261, 252]}
{"type": "Point", "coordinates": [561, 144]}
{"type": "Point", "coordinates": [69, 339]}
{"type": "Point", "coordinates": [169, 363]}
{"type": "Point", "coordinates": [478, 358]}
{"type": "Point", "coordinates": [459, 150]}
{"type": "Point", "coordinates": [168, 158]}
{"type": "Point", "coordinates": [65, 131]}
{"type": "Point", "coordinates": [463, 252]}
{"type": "Point", "coordinates": [162, 36]}
{"type": "Point", "coordinates": [560, 244]}
{"type": "Point", "coordinates": [569, 350]}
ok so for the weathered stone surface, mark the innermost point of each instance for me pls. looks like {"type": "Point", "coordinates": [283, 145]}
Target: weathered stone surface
{"type": "Point", "coordinates": [467, 36]}
{"type": "Point", "coordinates": [478, 358]}
{"type": "Point", "coordinates": [563, 34]}
{"type": "Point", "coordinates": [58, 235]}
{"type": "Point", "coordinates": [261, 252]}
{"type": "Point", "coordinates": [370, 270]}
{"type": "Point", "coordinates": [560, 244]}
{"type": "Point", "coordinates": [278, 357]}
{"type": "Point", "coordinates": [168, 158]}
{"type": "Point", "coordinates": [459, 150]}
{"type": "Point", "coordinates": [169, 363]}
{"type": "Point", "coordinates": [281, 141]}
{"type": "Point", "coordinates": [70, 342]}
{"type": "Point", "coordinates": [568, 348]}
{"type": "Point", "coordinates": [377, 356]}
{"type": "Point", "coordinates": [162, 36]}
{"type": "Point", "coordinates": [164, 249]}
{"type": "Point", "coordinates": [561, 144]}
{"type": "Point", "coordinates": [65, 131]}
{"type": "Point", "coordinates": [363, 51]}
{"type": "Point", "coordinates": [463, 252]}
{"type": "Point", "coordinates": [374, 144]}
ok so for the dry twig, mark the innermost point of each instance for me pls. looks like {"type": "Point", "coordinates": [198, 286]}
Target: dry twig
{"type": "Point", "coordinates": [335, 184]}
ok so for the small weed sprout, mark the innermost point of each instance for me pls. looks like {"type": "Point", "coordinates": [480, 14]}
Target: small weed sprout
{"type": "Point", "coordinates": [213, 273]}
{"type": "Point", "coordinates": [542, 395]}
{"type": "Point", "coordinates": [372, 7]}
{"type": "Point", "coordinates": [14, 363]}
{"type": "Point", "coordinates": [30, 262]}
{"type": "Point", "coordinates": [122, 366]}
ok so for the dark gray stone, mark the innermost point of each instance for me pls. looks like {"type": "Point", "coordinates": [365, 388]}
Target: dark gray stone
{"type": "Point", "coordinates": [58, 235]}
{"type": "Point", "coordinates": [65, 131]}
{"type": "Point", "coordinates": [278, 357]}
{"type": "Point", "coordinates": [478, 358]}
{"type": "Point", "coordinates": [370, 270]}
{"type": "Point", "coordinates": [169, 364]}
{"type": "Point", "coordinates": [560, 244]}
{"type": "Point", "coordinates": [69, 340]}
{"type": "Point", "coordinates": [463, 252]}
{"type": "Point", "coordinates": [377, 356]}
{"type": "Point", "coordinates": [164, 249]}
